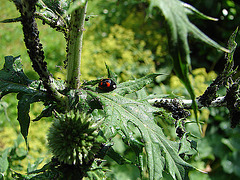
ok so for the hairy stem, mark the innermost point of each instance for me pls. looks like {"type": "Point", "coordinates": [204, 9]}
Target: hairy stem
{"type": "Point", "coordinates": [75, 46]}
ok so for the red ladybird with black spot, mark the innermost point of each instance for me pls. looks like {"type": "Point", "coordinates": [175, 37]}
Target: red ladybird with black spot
{"type": "Point", "coordinates": [107, 85]}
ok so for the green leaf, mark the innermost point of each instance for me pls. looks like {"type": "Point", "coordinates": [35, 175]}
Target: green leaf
{"type": "Point", "coordinates": [193, 11]}
{"type": "Point", "coordinates": [43, 169]}
{"type": "Point", "coordinates": [141, 94]}
{"type": "Point", "coordinates": [13, 80]}
{"type": "Point", "coordinates": [117, 157]}
{"type": "Point", "coordinates": [46, 112]}
{"type": "Point", "coordinates": [178, 28]}
{"type": "Point", "coordinates": [18, 19]}
{"type": "Point", "coordinates": [135, 85]}
{"type": "Point", "coordinates": [33, 167]}
{"type": "Point", "coordinates": [4, 107]}
{"type": "Point", "coordinates": [4, 161]}
{"type": "Point", "coordinates": [23, 115]}
{"type": "Point", "coordinates": [232, 45]}
{"type": "Point", "coordinates": [75, 5]}
{"type": "Point", "coordinates": [187, 147]}
{"type": "Point", "coordinates": [122, 113]}
{"type": "Point", "coordinates": [111, 74]}
{"type": "Point", "coordinates": [179, 25]}
{"type": "Point", "coordinates": [92, 82]}
{"type": "Point", "coordinates": [12, 77]}
{"type": "Point", "coordinates": [25, 100]}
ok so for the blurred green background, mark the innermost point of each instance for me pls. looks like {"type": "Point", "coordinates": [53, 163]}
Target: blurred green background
{"type": "Point", "coordinates": [119, 34]}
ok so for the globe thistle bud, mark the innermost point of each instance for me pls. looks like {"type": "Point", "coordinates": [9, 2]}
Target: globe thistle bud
{"type": "Point", "coordinates": [73, 138]}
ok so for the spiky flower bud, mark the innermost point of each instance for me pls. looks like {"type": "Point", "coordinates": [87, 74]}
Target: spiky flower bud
{"type": "Point", "coordinates": [73, 138]}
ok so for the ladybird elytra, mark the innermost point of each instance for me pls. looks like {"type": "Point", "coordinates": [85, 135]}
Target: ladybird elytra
{"type": "Point", "coordinates": [107, 85]}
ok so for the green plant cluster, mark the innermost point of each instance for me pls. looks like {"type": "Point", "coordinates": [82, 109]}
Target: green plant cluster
{"type": "Point", "coordinates": [218, 151]}
{"type": "Point", "coordinates": [219, 148]}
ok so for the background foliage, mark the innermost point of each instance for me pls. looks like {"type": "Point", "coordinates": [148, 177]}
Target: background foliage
{"type": "Point", "coordinates": [132, 46]}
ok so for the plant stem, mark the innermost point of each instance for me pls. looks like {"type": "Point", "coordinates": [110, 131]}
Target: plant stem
{"type": "Point", "coordinates": [34, 46]}
{"type": "Point", "coordinates": [75, 46]}
{"type": "Point", "coordinates": [187, 104]}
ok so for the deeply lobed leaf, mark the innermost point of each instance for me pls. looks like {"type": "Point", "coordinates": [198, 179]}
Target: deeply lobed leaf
{"type": "Point", "coordinates": [178, 28]}
{"type": "Point", "coordinates": [123, 116]}
{"type": "Point", "coordinates": [121, 113]}
{"type": "Point", "coordinates": [12, 77]}
{"type": "Point", "coordinates": [13, 80]}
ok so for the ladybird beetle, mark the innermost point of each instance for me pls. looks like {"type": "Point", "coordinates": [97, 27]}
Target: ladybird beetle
{"type": "Point", "coordinates": [107, 85]}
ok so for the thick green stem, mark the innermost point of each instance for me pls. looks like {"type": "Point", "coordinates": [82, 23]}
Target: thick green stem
{"type": "Point", "coordinates": [75, 46]}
